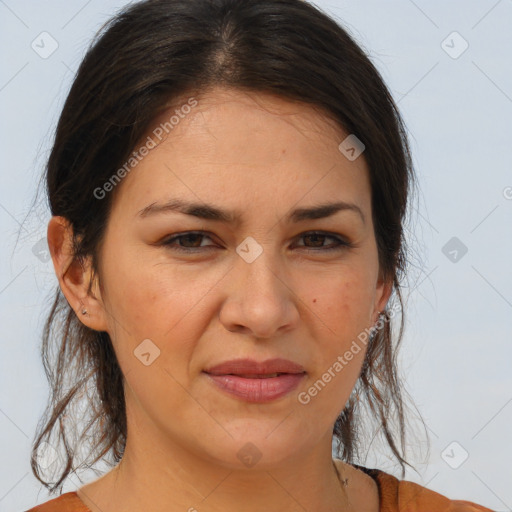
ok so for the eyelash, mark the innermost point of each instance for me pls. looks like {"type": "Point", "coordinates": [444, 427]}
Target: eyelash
{"type": "Point", "coordinates": [168, 242]}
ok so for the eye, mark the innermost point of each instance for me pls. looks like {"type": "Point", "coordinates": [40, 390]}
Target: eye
{"type": "Point", "coordinates": [317, 238]}
{"type": "Point", "coordinates": [191, 242]}
{"type": "Point", "coordinates": [188, 242]}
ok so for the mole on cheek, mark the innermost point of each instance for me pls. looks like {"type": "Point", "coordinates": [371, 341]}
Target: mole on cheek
{"type": "Point", "coordinates": [314, 300]}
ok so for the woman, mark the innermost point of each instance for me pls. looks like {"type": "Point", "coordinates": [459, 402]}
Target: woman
{"type": "Point", "coordinates": [228, 184]}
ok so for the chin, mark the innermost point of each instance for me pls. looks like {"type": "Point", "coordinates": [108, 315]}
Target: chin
{"type": "Point", "coordinates": [259, 444]}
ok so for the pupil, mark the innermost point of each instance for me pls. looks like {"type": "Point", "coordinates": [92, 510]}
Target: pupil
{"type": "Point", "coordinates": [197, 238]}
{"type": "Point", "coordinates": [317, 237]}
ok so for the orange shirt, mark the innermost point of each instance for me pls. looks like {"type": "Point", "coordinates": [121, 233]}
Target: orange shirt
{"type": "Point", "coordinates": [395, 496]}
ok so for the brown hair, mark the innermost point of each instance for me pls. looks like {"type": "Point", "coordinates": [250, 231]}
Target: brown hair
{"type": "Point", "coordinates": [149, 54]}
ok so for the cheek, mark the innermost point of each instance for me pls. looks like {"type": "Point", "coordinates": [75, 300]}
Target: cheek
{"type": "Point", "coordinates": [343, 302]}
{"type": "Point", "coordinates": [149, 292]}
{"type": "Point", "coordinates": [153, 299]}
{"type": "Point", "coordinates": [340, 306]}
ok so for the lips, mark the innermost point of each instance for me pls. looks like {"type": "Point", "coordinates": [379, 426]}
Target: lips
{"type": "Point", "coordinates": [252, 381]}
{"type": "Point", "coordinates": [263, 376]}
{"type": "Point", "coordinates": [253, 369]}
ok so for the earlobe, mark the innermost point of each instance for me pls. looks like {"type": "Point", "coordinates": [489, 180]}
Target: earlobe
{"type": "Point", "coordinates": [75, 276]}
{"type": "Point", "coordinates": [383, 293]}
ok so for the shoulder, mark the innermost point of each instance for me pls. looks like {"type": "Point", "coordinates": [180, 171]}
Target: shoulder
{"type": "Point", "coordinates": [67, 502]}
{"type": "Point", "coordinates": [412, 497]}
{"type": "Point", "coordinates": [404, 496]}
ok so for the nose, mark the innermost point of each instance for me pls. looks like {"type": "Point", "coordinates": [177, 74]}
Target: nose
{"type": "Point", "coordinates": [260, 299]}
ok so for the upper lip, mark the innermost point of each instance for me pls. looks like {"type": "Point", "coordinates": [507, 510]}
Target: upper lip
{"type": "Point", "coordinates": [252, 367]}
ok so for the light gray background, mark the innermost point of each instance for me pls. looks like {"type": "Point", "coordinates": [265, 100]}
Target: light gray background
{"type": "Point", "coordinates": [457, 351]}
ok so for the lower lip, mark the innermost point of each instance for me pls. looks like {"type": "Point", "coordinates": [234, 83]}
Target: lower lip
{"type": "Point", "coordinates": [258, 390]}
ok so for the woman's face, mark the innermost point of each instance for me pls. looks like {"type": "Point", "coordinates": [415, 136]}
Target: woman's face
{"type": "Point", "coordinates": [252, 282]}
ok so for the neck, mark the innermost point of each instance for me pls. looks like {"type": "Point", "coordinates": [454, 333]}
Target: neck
{"type": "Point", "coordinates": [157, 475]}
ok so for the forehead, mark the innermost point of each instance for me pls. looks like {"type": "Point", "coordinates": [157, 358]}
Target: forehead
{"type": "Point", "coordinates": [249, 116]}
{"type": "Point", "coordinates": [234, 145]}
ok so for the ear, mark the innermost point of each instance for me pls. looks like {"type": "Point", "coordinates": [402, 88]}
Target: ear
{"type": "Point", "coordinates": [382, 294]}
{"type": "Point", "coordinates": [75, 277]}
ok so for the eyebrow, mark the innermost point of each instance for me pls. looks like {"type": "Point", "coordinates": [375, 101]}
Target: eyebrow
{"type": "Point", "coordinates": [212, 212]}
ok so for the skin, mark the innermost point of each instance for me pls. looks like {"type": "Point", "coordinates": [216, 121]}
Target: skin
{"type": "Point", "coordinates": [262, 156]}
